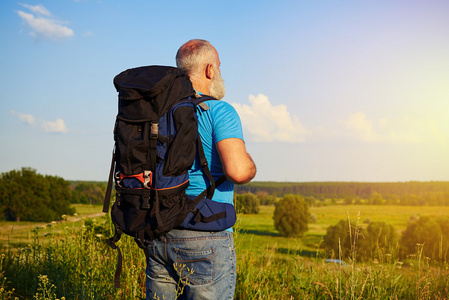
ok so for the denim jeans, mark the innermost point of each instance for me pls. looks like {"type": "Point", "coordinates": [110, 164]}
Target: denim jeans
{"type": "Point", "coordinates": [191, 265]}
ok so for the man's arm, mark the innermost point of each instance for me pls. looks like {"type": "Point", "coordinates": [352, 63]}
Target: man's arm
{"type": "Point", "coordinates": [238, 166]}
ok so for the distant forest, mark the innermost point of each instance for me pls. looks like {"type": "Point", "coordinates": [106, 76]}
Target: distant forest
{"type": "Point", "coordinates": [29, 196]}
{"type": "Point", "coordinates": [397, 193]}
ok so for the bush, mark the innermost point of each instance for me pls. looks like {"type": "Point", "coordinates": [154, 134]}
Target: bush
{"type": "Point", "coordinates": [428, 233]}
{"type": "Point", "coordinates": [265, 198]}
{"type": "Point", "coordinates": [247, 204]}
{"type": "Point", "coordinates": [337, 240]}
{"type": "Point", "coordinates": [88, 192]}
{"type": "Point", "coordinates": [379, 239]}
{"type": "Point", "coordinates": [291, 216]}
{"type": "Point", "coordinates": [373, 242]}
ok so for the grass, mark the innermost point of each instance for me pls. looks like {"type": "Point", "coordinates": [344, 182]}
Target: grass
{"type": "Point", "coordinates": [69, 259]}
{"type": "Point", "coordinates": [259, 233]}
{"type": "Point", "coordinates": [394, 215]}
{"type": "Point", "coordinates": [274, 267]}
{"type": "Point", "coordinates": [17, 234]}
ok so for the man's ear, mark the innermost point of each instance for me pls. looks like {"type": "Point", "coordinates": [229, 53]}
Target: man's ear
{"type": "Point", "coordinates": [210, 71]}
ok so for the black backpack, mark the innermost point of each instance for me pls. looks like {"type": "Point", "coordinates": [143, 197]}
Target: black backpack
{"type": "Point", "coordinates": [156, 142]}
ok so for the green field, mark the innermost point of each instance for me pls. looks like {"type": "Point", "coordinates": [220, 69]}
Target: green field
{"type": "Point", "coordinates": [70, 259]}
{"type": "Point", "coordinates": [258, 231]}
{"type": "Point", "coordinates": [14, 234]}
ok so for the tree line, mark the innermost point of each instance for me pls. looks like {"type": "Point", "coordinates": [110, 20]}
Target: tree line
{"type": "Point", "coordinates": [433, 193]}
{"type": "Point", "coordinates": [29, 196]}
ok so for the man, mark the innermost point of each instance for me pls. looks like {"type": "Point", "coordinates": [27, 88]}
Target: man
{"type": "Point", "coordinates": [195, 264]}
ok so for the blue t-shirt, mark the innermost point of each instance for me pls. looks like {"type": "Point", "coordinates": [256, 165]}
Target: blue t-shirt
{"type": "Point", "coordinates": [219, 122]}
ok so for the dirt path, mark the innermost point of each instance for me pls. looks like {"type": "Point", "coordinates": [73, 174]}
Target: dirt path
{"type": "Point", "coordinates": [11, 232]}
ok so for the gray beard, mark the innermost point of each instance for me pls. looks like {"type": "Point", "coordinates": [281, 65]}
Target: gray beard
{"type": "Point", "coordinates": [217, 88]}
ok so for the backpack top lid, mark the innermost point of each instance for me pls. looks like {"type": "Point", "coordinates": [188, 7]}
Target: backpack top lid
{"type": "Point", "coordinates": [148, 92]}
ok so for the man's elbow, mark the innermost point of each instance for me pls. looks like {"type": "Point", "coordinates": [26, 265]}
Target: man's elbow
{"type": "Point", "coordinates": [242, 176]}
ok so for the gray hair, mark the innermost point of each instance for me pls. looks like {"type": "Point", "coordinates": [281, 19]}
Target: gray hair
{"type": "Point", "coordinates": [194, 55]}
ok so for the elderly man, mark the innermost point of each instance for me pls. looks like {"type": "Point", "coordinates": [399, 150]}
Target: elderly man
{"type": "Point", "coordinates": [187, 264]}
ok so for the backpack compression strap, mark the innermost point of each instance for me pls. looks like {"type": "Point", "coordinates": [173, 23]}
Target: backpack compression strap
{"type": "Point", "coordinates": [112, 243]}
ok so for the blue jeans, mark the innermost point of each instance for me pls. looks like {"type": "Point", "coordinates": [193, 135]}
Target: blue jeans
{"type": "Point", "coordinates": [188, 264]}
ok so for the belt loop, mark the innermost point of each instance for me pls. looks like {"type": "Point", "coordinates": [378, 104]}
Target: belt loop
{"type": "Point", "coordinates": [165, 247]}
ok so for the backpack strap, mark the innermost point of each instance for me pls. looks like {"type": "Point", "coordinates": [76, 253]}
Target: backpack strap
{"type": "Point", "coordinates": [209, 191]}
{"type": "Point", "coordinates": [112, 243]}
{"type": "Point", "coordinates": [205, 166]}
{"type": "Point", "coordinates": [199, 101]}
{"type": "Point", "coordinates": [107, 196]}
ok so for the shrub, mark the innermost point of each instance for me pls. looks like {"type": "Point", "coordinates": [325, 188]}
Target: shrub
{"type": "Point", "coordinates": [291, 216]}
{"type": "Point", "coordinates": [371, 243]}
{"type": "Point", "coordinates": [247, 203]}
{"type": "Point", "coordinates": [337, 240]}
{"type": "Point", "coordinates": [427, 232]}
{"type": "Point", "coordinates": [379, 239]}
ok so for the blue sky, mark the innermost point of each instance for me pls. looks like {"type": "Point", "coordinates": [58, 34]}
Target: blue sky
{"type": "Point", "coordinates": [326, 90]}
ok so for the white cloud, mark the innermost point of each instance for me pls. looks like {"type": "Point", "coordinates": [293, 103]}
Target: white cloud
{"type": "Point", "coordinates": [397, 130]}
{"type": "Point", "coordinates": [37, 9]}
{"type": "Point", "coordinates": [47, 126]}
{"type": "Point", "coordinates": [267, 123]}
{"type": "Point", "coordinates": [360, 127]}
{"type": "Point", "coordinates": [27, 118]}
{"type": "Point", "coordinates": [41, 25]}
{"type": "Point", "coordinates": [56, 126]}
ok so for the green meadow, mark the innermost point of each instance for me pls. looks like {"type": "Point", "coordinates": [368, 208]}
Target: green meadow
{"type": "Point", "coordinates": [258, 231]}
{"type": "Point", "coordinates": [69, 260]}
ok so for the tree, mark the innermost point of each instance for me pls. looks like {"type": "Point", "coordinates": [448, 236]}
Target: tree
{"type": "Point", "coordinates": [29, 196]}
{"type": "Point", "coordinates": [247, 203]}
{"type": "Point", "coordinates": [443, 249]}
{"type": "Point", "coordinates": [291, 216]}
{"type": "Point", "coordinates": [265, 198]}
{"type": "Point", "coordinates": [424, 231]}
{"type": "Point", "coordinates": [88, 192]}
{"type": "Point", "coordinates": [337, 239]}
{"type": "Point", "coordinates": [376, 199]}
{"type": "Point", "coordinates": [379, 238]}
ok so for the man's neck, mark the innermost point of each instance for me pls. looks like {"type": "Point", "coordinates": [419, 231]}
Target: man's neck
{"type": "Point", "coordinates": [200, 86]}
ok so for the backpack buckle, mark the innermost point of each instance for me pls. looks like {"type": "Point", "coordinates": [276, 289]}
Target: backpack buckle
{"type": "Point", "coordinates": [147, 183]}
{"type": "Point", "coordinates": [154, 130]}
{"type": "Point", "coordinates": [118, 179]}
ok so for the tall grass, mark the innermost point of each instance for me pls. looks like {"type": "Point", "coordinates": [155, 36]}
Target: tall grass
{"type": "Point", "coordinates": [73, 262]}
{"type": "Point", "coordinates": [273, 276]}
